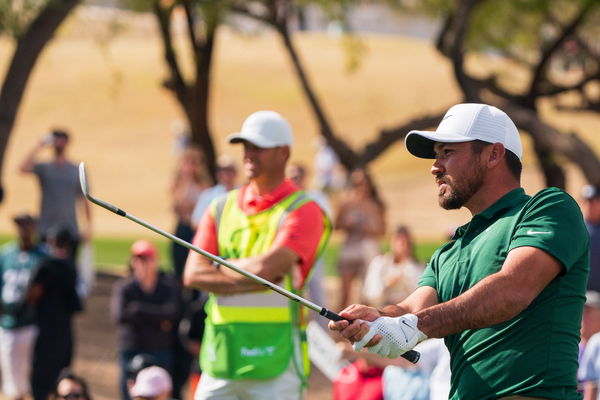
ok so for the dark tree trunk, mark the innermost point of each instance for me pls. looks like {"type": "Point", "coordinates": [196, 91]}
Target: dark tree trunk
{"type": "Point", "coordinates": [201, 133]}
{"type": "Point", "coordinates": [192, 97]}
{"type": "Point", "coordinates": [346, 155]}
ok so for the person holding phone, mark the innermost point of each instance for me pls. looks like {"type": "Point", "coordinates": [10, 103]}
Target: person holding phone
{"type": "Point", "coordinates": [59, 184]}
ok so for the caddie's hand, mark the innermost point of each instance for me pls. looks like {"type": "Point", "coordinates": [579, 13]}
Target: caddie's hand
{"type": "Point", "coordinates": [358, 314]}
{"type": "Point", "coordinates": [398, 335]}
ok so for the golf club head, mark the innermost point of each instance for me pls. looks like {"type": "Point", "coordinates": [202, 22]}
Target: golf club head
{"type": "Point", "coordinates": [83, 181]}
{"type": "Point", "coordinates": [86, 192]}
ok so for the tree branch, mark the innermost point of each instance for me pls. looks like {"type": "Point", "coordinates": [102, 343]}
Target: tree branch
{"type": "Point", "coordinates": [456, 50]}
{"type": "Point", "coordinates": [175, 83]}
{"type": "Point", "coordinates": [388, 137]}
{"type": "Point", "coordinates": [540, 72]}
{"type": "Point", "coordinates": [550, 138]}
{"type": "Point", "coordinates": [191, 24]}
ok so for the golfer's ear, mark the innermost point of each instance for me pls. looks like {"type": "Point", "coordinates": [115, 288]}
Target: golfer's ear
{"type": "Point", "coordinates": [496, 154]}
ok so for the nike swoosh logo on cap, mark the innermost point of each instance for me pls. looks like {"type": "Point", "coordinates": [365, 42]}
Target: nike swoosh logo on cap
{"type": "Point", "coordinates": [447, 116]}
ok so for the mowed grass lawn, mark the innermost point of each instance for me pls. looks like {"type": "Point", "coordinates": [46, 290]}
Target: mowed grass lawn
{"type": "Point", "coordinates": [111, 254]}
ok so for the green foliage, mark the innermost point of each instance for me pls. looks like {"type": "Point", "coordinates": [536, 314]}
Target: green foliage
{"type": "Point", "coordinates": [17, 15]}
{"type": "Point", "coordinates": [138, 5]}
{"type": "Point", "coordinates": [513, 27]}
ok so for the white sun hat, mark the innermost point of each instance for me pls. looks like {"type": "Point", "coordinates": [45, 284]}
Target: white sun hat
{"type": "Point", "coordinates": [465, 123]}
{"type": "Point", "coordinates": [264, 129]}
{"type": "Point", "coordinates": [150, 382]}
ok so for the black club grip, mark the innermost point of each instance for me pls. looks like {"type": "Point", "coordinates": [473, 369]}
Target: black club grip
{"type": "Point", "coordinates": [411, 355]}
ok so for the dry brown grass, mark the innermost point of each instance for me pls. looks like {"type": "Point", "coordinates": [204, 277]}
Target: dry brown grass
{"type": "Point", "coordinates": [109, 96]}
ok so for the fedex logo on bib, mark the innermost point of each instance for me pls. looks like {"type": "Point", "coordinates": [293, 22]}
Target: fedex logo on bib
{"type": "Point", "coordinates": [257, 351]}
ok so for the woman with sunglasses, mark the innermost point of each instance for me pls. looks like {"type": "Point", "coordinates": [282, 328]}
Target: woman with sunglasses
{"type": "Point", "coordinates": [71, 387]}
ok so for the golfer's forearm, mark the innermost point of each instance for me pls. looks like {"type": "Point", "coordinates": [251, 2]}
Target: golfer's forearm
{"type": "Point", "coordinates": [493, 300]}
{"type": "Point", "coordinates": [394, 310]}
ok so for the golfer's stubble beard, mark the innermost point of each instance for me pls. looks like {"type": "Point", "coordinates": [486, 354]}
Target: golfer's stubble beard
{"type": "Point", "coordinates": [459, 191]}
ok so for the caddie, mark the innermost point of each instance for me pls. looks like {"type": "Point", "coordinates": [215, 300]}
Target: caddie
{"type": "Point", "coordinates": [507, 292]}
{"type": "Point", "coordinates": [254, 342]}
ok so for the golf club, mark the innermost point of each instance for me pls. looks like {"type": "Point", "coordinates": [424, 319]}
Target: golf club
{"type": "Point", "coordinates": [412, 356]}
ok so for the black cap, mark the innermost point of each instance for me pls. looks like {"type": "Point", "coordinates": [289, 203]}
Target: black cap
{"type": "Point", "coordinates": [23, 218]}
{"type": "Point", "coordinates": [60, 133]}
{"type": "Point", "coordinates": [139, 362]}
{"type": "Point", "coordinates": [61, 235]}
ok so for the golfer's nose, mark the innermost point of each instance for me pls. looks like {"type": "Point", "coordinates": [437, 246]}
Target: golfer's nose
{"type": "Point", "coordinates": [437, 167]}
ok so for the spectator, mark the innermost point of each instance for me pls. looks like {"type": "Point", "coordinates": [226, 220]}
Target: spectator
{"type": "Point", "coordinates": [55, 290]}
{"type": "Point", "coordinates": [18, 264]}
{"type": "Point", "coordinates": [589, 349]}
{"type": "Point", "coordinates": [591, 214]}
{"type": "Point", "coordinates": [326, 164]}
{"type": "Point", "coordinates": [297, 173]}
{"type": "Point", "coordinates": [61, 191]}
{"type": "Point", "coordinates": [427, 380]}
{"type": "Point", "coordinates": [590, 322]}
{"type": "Point", "coordinates": [254, 339]}
{"type": "Point", "coordinates": [589, 368]}
{"type": "Point", "coordinates": [191, 330]}
{"type": "Point", "coordinates": [152, 383]}
{"type": "Point", "coordinates": [145, 306]}
{"type": "Point", "coordinates": [190, 184]}
{"type": "Point", "coordinates": [391, 277]}
{"type": "Point", "coordinates": [70, 387]}
{"type": "Point", "coordinates": [226, 177]}
{"type": "Point", "coordinates": [191, 179]}
{"type": "Point", "coordinates": [138, 363]}
{"type": "Point", "coordinates": [360, 216]}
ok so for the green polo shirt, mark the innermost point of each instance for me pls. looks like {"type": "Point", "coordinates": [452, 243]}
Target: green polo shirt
{"type": "Point", "coordinates": [535, 353]}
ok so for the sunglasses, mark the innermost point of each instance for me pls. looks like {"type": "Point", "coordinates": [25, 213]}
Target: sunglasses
{"type": "Point", "coordinates": [70, 396]}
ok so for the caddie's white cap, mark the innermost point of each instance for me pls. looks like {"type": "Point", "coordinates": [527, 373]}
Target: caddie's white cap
{"type": "Point", "coordinates": [151, 382]}
{"type": "Point", "coordinates": [264, 129]}
{"type": "Point", "coordinates": [465, 123]}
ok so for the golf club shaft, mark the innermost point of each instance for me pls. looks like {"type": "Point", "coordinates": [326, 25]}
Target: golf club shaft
{"type": "Point", "coordinates": [411, 355]}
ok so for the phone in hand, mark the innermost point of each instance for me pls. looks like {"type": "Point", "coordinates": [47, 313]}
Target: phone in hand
{"type": "Point", "coordinates": [48, 139]}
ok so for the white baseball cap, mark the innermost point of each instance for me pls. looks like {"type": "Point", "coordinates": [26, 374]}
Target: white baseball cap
{"type": "Point", "coordinates": [465, 123]}
{"type": "Point", "coordinates": [150, 382]}
{"type": "Point", "coordinates": [264, 129]}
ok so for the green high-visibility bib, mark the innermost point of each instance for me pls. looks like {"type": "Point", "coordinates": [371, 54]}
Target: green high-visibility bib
{"type": "Point", "coordinates": [253, 335]}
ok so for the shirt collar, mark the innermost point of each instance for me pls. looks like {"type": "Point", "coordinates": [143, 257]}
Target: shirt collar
{"type": "Point", "coordinates": [251, 202]}
{"type": "Point", "coordinates": [504, 203]}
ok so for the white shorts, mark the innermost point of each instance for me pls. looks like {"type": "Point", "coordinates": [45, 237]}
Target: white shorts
{"type": "Point", "coordinates": [286, 386]}
{"type": "Point", "coordinates": [16, 351]}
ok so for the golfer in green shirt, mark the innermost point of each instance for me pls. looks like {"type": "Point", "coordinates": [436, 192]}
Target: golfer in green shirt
{"type": "Point", "coordinates": [507, 292]}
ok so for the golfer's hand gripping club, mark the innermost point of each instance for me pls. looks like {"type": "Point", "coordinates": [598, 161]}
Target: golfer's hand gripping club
{"type": "Point", "coordinates": [410, 356]}
{"type": "Point", "coordinates": [399, 336]}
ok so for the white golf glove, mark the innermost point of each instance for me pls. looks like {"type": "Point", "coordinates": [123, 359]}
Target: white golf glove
{"type": "Point", "coordinates": [400, 335]}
